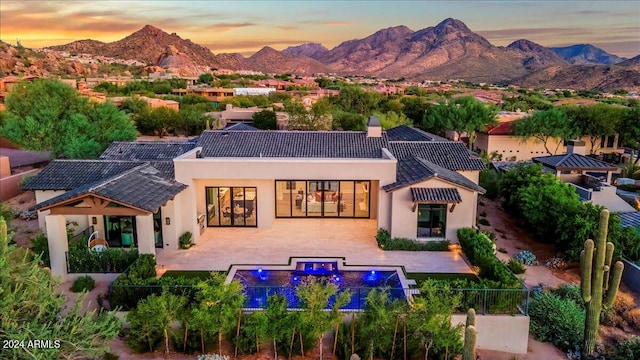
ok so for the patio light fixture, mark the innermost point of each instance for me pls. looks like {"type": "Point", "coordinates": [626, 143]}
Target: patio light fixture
{"type": "Point", "coordinates": [94, 220]}
{"type": "Point", "coordinates": [167, 221]}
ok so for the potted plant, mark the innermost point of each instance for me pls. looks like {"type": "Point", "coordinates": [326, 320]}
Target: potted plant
{"type": "Point", "coordinates": [185, 240]}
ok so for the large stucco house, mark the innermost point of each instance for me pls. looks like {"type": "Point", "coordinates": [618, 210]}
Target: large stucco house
{"type": "Point", "coordinates": [147, 194]}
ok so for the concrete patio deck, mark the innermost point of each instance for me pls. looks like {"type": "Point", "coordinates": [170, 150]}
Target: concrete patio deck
{"type": "Point", "coordinates": [352, 239]}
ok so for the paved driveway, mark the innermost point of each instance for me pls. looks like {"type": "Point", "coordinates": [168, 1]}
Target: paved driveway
{"type": "Point", "coordinates": [352, 239]}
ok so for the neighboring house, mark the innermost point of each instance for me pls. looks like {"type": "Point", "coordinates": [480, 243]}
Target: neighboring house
{"type": "Point", "coordinates": [591, 177]}
{"type": "Point", "coordinates": [147, 194]}
{"type": "Point", "coordinates": [233, 115]}
{"type": "Point", "coordinates": [500, 139]}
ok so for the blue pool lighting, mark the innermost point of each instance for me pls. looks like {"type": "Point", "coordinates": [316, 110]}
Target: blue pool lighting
{"type": "Point", "coordinates": [373, 272]}
{"type": "Point", "coordinates": [259, 271]}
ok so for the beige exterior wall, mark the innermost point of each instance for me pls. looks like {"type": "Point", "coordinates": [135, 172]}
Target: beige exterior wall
{"type": "Point", "coordinates": [262, 173]}
{"type": "Point", "coordinates": [514, 148]}
{"type": "Point", "coordinates": [82, 220]}
{"type": "Point", "coordinates": [508, 333]}
{"type": "Point", "coordinates": [405, 221]}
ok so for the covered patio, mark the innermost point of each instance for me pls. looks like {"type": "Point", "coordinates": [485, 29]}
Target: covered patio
{"type": "Point", "coordinates": [352, 239]}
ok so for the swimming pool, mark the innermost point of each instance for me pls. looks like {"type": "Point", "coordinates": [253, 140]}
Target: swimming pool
{"type": "Point", "coordinates": [264, 281]}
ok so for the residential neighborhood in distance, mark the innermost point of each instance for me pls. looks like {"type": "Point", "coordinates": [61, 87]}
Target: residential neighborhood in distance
{"type": "Point", "coordinates": [387, 180]}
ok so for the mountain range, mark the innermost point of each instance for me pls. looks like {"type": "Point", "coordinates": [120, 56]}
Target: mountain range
{"type": "Point", "coordinates": [449, 50]}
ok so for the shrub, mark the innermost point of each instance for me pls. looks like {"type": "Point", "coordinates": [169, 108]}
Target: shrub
{"type": "Point", "coordinates": [483, 221]}
{"type": "Point", "coordinates": [557, 320]}
{"type": "Point", "coordinates": [490, 180]}
{"type": "Point", "coordinates": [627, 349]}
{"type": "Point", "coordinates": [185, 240]}
{"type": "Point", "coordinates": [81, 260]}
{"type": "Point", "coordinates": [526, 257]}
{"type": "Point", "coordinates": [83, 283]}
{"type": "Point", "coordinates": [40, 246]}
{"type": "Point", "coordinates": [516, 266]}
{"type": "Point", "coordinates": [555, 263]}
{"type": "Point", "coordinates": [569, 292]}
{"type": "Point", "coordinates": [385, 242]}
{"type": "Point", "coordinates": [479, 249]}
{"type": "Point", "coordinates": [7, 213]}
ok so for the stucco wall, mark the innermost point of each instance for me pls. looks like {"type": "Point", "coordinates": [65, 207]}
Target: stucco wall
{"type": "Point", "coordinates": [508, 333]}
{"type": "Point", "coordinates": [262, 172]}
{"type": "Point", "coordinates": [43, 195]}
{"type": "Point", "coordinates": [10, 185]}
{"type": "Point", "coordinates": [513, 146]}
{"type": "Point", "coordinates": [405, 223]}
{"type": "Point", "coordinates": [631, 275]}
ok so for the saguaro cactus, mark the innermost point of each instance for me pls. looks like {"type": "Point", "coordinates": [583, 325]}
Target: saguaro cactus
{"type": "Point", "coordinates": [470, 336]}
{"type": "Point", "coordinates": [596, 282]}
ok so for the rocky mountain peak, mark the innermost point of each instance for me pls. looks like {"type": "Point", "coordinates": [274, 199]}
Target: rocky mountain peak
{"type": "Point", "coordinates": [312, 50]}
{"type": "Point", "coordinates": [526, 45]}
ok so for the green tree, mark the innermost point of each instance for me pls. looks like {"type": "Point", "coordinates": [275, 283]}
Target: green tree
{"type": "Point", "coordinates": [415, 108]}
{"type": "Point", "coordinates": [158, 121]}
{"type": "Point", "coordinates": [392, 119]}
{"type": "Point", "coordinates": [192, 119]}
{"type": "Point", "coordinates": [315, 296]}
{"type": "Point", "coordinates": [31, 308]}
{"type": "Point", "coordinates": [355, 99]}
{"type": "Point", "coordinates": [545, 125]}
{"type": "Point", "coordinates": [265, 120]}
{"type": "Point", "coordinates": [378, 323]}
{"type": "Point", "coordinates": [205, 78]}
{"type": "Point", "coordinates": [594, 121]}
{"type": "Point", "coordinates": [217, 308]}
{"type": "Point", "coordinates": [49, 115]}
{"type": "Point", "coordinates": [629, 130]}
{"type": "Point", "coordinates": [316, 118]}
{"type": "Point", "coordinates": [429, 321]}
{"type": "Point", "coordinates": [348, 121]}
{"type": "Point", "coordinates": [463, 115]}
{"type": "Point", "coordinates": [152, 319]}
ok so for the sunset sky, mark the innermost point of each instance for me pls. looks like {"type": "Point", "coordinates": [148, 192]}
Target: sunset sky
{"type": "Point", "coordinates": [247, 26]}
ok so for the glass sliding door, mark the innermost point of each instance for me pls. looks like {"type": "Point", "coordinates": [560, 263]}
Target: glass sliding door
{"type": "Point", "coordinates": [322, 198]}
{"type": "Point", "coordinates": [120, 231]}
{"type": "Point", "coordinates": [231, 206]}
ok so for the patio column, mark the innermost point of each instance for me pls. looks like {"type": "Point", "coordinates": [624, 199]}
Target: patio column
{"type": "Point", "coordinates": [58, 243]}
{"type": "Point", "coordinates": [146, 240]}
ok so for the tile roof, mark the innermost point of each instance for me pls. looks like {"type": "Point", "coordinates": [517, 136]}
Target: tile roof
{"type": "Point", "coordinates": [573, 161]}
{"type": "Point", "coordinates": [240, 127]}
{"type": "Point", "coordinates": [275, 144]}
{"type": "Point", "coordinates": [407, 133]}
{"type": "Point", "coordinates": [503, 128]}
{"type": "Point", "coordinates": [452, 155]}
{"type": "Point", "coordinates": [435, 195]}
{"type": "Point", "coordinates": [630, 219]}
{"type": "Point", "coordinates": [69, 174]}
{"type": "Point", "coordinates": [412, 170]}
{"type": "Point", "coordinates": [146, 150]}
{"type": "Point", "coordinates": [142, 187]}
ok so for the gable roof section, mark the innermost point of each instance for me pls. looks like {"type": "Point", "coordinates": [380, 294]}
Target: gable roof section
{"type": "Point", "coordinates": [141, 187]}
{"type": "Point", "coordinates": [435, 195]}
{"type": "Point", "coordinates": [412, 170]}
{"type": "Point", "coordinates": [146, 150]}
{"type": "Point", "coordinates": [407, 133]}
{"type": "Point", "coordinates": [573, 161]}
{"type": "Point", "coordinates": [69, 174]}
{"type": "Point", "coordinates": [452, 155]}
{"type": "Point", "coordinates": [279, 144]}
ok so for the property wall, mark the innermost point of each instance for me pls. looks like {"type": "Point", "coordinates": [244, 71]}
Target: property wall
{"type": "Point", "coordinates": [262, 172]}
{"type": "Point", "coordinates": [10, 185]}
{"type": "Point", "coordinates": [508, 333]}
{"type": "Point", "coordinates": [404, 220]}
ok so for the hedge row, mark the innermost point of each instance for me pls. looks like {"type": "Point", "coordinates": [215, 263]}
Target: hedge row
{"type": "Point", "coordinates": [385, 242]}
{"type": "Point", "coordinates": [479, 250]}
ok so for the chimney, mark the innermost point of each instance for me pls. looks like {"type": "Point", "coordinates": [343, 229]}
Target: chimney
{"type": "Point", "coordinates": [576, 147]}
{"type": "Point", "coordinates": [374, 129]}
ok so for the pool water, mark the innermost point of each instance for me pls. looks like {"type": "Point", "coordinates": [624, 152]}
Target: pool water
{"type": "Point", "coordinates": [261, 283]}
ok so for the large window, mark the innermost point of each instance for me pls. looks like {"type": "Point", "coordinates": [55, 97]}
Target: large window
{"type": "Point", "coordinates": [432, 219]}
{"type": "Point", "coordinates": [322, 198]}
{"type": "Point", "coordinates": [231, 206]}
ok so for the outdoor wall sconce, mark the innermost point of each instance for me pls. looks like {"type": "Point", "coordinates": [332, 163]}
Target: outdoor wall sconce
{"type": "Point", "coordinates": [94, 220]}
{"type": "Point", "coordinates": [167, 221]}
